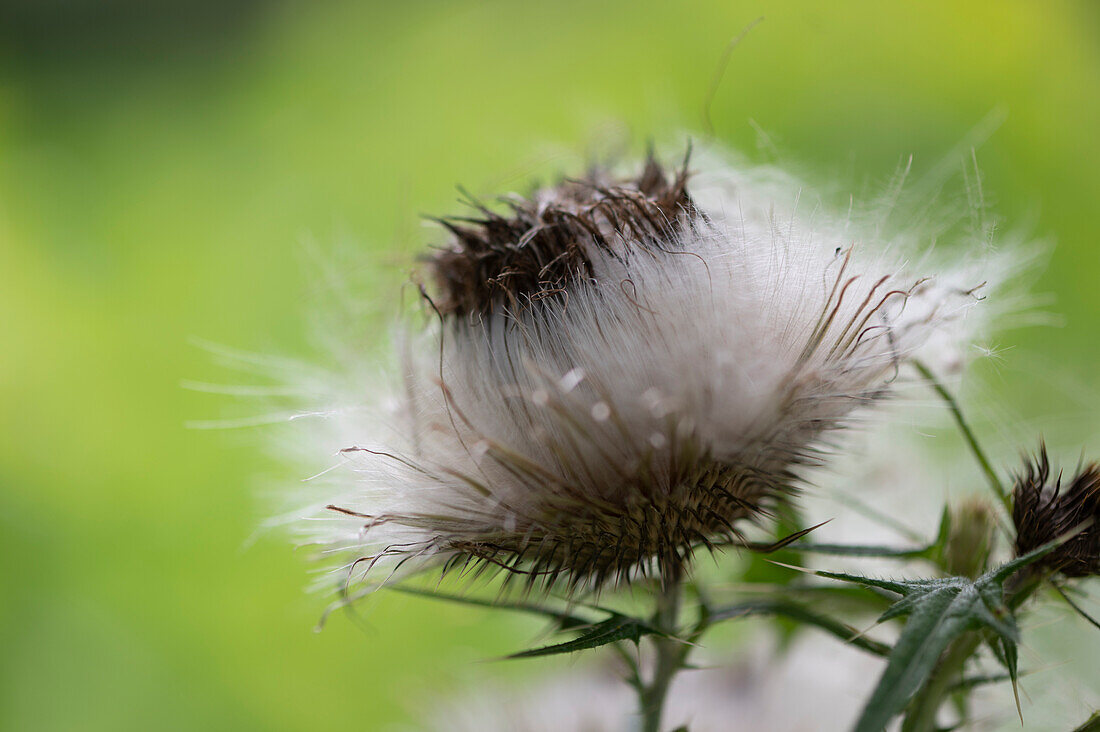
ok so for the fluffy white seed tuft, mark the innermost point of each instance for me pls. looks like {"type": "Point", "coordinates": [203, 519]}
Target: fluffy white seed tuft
{"type": "Point", "coordinates": [623, 371]}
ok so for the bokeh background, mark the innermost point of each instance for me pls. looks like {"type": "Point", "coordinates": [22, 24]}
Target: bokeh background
{"type": "Point", "coordinates": [172, 171]}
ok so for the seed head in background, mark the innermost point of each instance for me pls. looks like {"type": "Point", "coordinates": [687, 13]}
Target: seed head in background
{"type": "Point", "coordinates": [622, 370]}
{"type": "Point", "coordinates": [1044, 509]}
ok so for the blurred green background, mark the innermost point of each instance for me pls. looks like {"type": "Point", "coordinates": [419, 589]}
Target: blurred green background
{"type": "Point", "coordinates": [161, 164]}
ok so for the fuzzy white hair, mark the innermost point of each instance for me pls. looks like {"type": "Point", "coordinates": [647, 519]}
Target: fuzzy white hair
{"type": "Point", "coordinates": [623, 371]}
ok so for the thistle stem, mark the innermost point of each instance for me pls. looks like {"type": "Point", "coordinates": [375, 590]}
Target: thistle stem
{"type": "Point", "coordinates": [671, 654]}
{"type": "Point", "coordinates": [923, 709]}
{"type": "Point", "coordinates": [971, 440]}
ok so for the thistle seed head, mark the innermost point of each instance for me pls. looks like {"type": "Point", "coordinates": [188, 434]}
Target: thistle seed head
{"type": "Point", "coordinates": [1043, 509]}
{"type": "Point", "coordinates": [621, 372]}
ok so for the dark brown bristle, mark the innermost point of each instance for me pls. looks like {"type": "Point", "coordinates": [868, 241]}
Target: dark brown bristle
{"type": "Point", "coordinates": [1043, 510]}
{"type": "Point", "coordinates": [653, 533]}
{"type": "Point", "coordinates": [497, 261]}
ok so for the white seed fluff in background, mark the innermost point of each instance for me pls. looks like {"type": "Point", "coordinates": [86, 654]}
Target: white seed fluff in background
{"type": "Point", "coordinates": [620, 371]}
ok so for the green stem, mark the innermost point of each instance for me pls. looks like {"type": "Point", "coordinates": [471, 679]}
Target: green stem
{"type": "Point", "coordinates": [671, 655]}
{"type": "Point", "coordinates": [968, 434]}
{"type": "Point", "coordinates": [923, 708]}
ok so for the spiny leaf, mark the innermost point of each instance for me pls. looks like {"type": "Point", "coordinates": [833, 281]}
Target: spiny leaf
{"type": "Point", "coordinates": [943, 614]}
{"type": "Point", "coordinates": [835, 594]}
{"type": "Point", "coordinates": [616, 628]}
{"type": "Point", "coordinates": [901, 587]}
{"type": "Point", "coordinates": [564, 619]}
{"type": "Point", "coordinates": [939, 611]}
{"type": "Point", "coordinates": [801, 614]}
{"type": "Point", "coordinates": [849, 550]}
{"type": "Point", "coordinates": [1011, 659]}
{"type": "Point", "coordinates": [993, 613]}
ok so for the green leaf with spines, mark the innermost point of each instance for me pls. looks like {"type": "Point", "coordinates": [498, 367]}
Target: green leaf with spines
{"type": "Point", "coordinates": [565, 620]}
{"type": "Point", "coordinates": [1011, 663]}
{"type": "Point", "coordinates": [800, 614]}
{"type": "Point", "coordinates": [615, 628]}
{"type": "Point", "coordinates": [930, 551]}
{"type": "Point", "coordinates": [855, 599]}
{"type": "Point", "coordinates": [939, 610]}
{"type": "Point", "coordinates": [858, 550]}
{"type": "Point", "coordinates": [937, 617]}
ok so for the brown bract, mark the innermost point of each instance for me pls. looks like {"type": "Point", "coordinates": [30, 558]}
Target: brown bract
{"type": "Point", "coordinates": [652, 530]}
{"type": "Point", "coordinates": [499, 261]}
{"type": "Point", "coordinates": [1044, 509]}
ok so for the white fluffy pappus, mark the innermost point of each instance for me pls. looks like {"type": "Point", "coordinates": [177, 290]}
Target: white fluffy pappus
{"type": "Point", "coordinates": [624, 370]}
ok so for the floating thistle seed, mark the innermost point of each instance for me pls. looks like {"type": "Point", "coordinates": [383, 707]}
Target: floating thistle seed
{"type": "Point", "coordinates": [622, 371]}
{"type": "Point", "coordinates": [1044, 509]}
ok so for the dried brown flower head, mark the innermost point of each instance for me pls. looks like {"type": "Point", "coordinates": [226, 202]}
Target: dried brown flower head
{"type": "Point", "coordinates": [1043, 509]}
{"type": "Point", "coordinates": [496, 261]}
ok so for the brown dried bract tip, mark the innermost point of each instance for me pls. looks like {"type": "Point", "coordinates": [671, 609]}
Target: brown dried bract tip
{"type": "Point", "coordinates": [1043, 511]}
{"type": "Point", "coordinates": [497, 261]}
{"type": "Point", "coordinates": [654, 533]}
